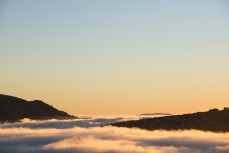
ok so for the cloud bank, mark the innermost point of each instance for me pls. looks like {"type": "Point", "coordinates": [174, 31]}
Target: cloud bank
{"type": "Point", "coordinates": [23, 139]}
{"type": "Point", "coordinates": [63, 124]}
{"type": "Point", "coordinates": [92, 121]}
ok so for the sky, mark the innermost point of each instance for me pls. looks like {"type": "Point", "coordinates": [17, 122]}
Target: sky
{"type": "Point", "coordinates": [116, 57]}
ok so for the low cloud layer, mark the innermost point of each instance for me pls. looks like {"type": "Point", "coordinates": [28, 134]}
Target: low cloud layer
{"type": "Point", "coordinates": [92, 121]}
{"type": "Point", "coordinates": [22, 139]}
{"type": "Point", "coordinates": [64, 124]}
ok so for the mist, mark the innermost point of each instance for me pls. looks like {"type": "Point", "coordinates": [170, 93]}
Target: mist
{"type": "Point", "coordinates": [72, 137]}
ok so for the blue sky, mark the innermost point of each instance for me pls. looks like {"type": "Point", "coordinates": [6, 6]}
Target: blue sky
{"type": "Point", "coordinates": [116, 53]}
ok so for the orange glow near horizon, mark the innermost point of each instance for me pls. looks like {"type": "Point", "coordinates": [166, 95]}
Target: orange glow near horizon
{"type": "Point", "coordinates": [116, 57]}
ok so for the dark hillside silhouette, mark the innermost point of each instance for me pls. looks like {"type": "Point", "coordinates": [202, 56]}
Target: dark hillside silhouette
{"type": "Point", "coordinates": [212, 120]}
{"type": "Point", "coordinates": [13, 109]}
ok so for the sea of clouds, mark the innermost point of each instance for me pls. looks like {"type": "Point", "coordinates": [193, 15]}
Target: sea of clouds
{"type": "Point", "coordinates": [88, 136]}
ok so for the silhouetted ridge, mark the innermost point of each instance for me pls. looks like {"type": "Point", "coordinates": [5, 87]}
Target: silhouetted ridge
{"type": "Point", "coordinates": [212, 120]}
{"type": "Point", "coordinates": [152, 114]}
{"type": "Point", "coordinates": [13, 109]}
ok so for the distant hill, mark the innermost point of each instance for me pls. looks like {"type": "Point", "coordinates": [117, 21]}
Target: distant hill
{"type": "Point", "coordinates": [212, 120]}
{"type": "Point", "coordinates": [153, 114]}
{"type": "Point", "coordinates": [13, 109]}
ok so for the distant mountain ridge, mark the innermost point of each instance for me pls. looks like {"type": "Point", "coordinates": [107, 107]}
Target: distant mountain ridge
{"type": "Point", "coordinates": [152, 114]}
{"type": "Point", "coordinates": [213, 120]}
{"type": "Point", "coordinates": [13, 109]}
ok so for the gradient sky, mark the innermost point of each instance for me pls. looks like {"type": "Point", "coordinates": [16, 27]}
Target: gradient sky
{"type": "Point", "coordinates": [116, 57]}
